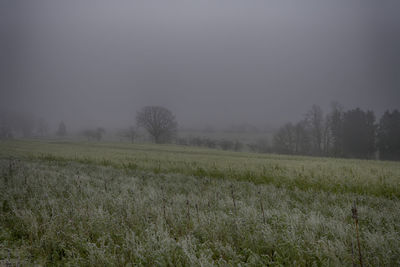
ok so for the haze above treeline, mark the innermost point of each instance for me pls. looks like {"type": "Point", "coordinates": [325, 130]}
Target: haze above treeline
{"type": "Point", "coordinates": [96, 63]}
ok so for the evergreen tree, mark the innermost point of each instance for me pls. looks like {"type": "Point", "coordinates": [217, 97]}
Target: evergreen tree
{"type": "Point", "coordinates": [389, 135]}
{"type": "Point", "coordinates": [359, 133]}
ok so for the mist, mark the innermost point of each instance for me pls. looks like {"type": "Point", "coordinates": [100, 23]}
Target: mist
{"type": "Point", "coordinates": [95, 63]}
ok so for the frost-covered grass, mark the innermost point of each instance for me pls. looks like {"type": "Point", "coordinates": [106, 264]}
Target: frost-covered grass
{"type": "Point", "coordinates": [367, 177]}
{"type": "Point", "coordinates": [118, 205]}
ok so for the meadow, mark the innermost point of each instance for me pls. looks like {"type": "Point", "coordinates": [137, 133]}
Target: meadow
{"type": "Point", "coordinates": [118, 204]}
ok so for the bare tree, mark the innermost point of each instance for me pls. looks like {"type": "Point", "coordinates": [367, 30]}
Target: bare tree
{"type": "Point", "coordinates": [284, 139]}
{"type": "Point", "coordinates": [336, 129]}
{"type": "Point", "coordinates": [301, 138]}
{"type": "Point", "coordinates": [315, 120]}
{"type": "Point", "coordinates": [292, 139]}
{"type": "Point", "coordinates": [327, 135]}
{"type": "Point", "coordinates": [159, 122]}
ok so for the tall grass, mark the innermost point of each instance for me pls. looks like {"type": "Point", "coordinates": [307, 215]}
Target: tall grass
{"type": "Point", "coordinates": [60, 212]}
{"type": "Point", "coordinates": [363, 177]}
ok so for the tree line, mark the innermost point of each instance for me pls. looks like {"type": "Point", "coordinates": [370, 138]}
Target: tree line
{"type": "Point", "coordinates": [353, 133]}
{"type": "Point", "coordinates": [26, 125]}
{"type": "Point", "coordinates": [350, 133]}
{"type": "Point", "coordinates": [22, 124]}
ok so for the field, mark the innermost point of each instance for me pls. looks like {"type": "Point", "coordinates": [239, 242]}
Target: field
{"type": "Point", "coordinates": [118, 204]}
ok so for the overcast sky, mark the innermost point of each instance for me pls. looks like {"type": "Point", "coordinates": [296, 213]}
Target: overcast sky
{"type": "Point", "coordinates": [210, 62]}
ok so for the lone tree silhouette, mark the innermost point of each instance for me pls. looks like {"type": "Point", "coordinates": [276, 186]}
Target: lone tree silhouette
{"type": "Point", "coordinates": [159, 122]}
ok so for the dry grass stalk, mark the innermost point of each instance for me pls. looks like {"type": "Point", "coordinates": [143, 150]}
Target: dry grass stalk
{"type": "Point", "coordinates": [355, 217]}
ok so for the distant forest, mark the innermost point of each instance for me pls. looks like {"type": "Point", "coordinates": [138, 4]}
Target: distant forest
{"type": "Point", "coordinates": [353, 133]}
{"type": "Point", "coordinates": [341, 133]}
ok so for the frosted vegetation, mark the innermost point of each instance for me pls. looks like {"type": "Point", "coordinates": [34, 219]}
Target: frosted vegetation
{"type": "Point", "coordinates": [122, 205]}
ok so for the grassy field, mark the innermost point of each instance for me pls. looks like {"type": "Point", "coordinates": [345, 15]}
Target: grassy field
{"type": "Point", "coordinates": [118, 204]}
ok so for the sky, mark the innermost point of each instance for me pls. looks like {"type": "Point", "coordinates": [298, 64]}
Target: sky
{"type": "Point", "coordinates": [211, 62]}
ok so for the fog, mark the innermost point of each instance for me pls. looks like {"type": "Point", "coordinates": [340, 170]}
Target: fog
{"type": "Point", "coordinates": [210, 62]}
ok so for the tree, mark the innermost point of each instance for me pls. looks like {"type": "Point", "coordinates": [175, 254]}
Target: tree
{"type": "Point", "coordinates": [389, 135]}
{"type": "Point", "coordinates": [336, 129]}
{"type": "Point", "coordinates": [292, 139]}
{"type": "Point", "coordinates": [315, 120]}
{"type": "Point", "coordinates": [301, 138]}
{"type": "Point", "coordinates": [284, 139]}
{"type": "Point", "coordinates": [159, 122]}
{"type": "Point", "coordinates": [62, 129]}
{"type": "Point", "coordinates": [359, 133]}
{"type": "Point", "coordinates": [327, 135]}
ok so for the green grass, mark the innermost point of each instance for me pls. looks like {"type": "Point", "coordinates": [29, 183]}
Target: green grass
{"type": "Point", "coordinates": [117, 204]}
{"type": "Point", "coordinates": [364, 177]}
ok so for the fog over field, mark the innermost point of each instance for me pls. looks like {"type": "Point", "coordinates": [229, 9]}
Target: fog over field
{"type": "Point", "coordinates": [199, 133]}
{"type": "Point", "coordinates": [210, 62]}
